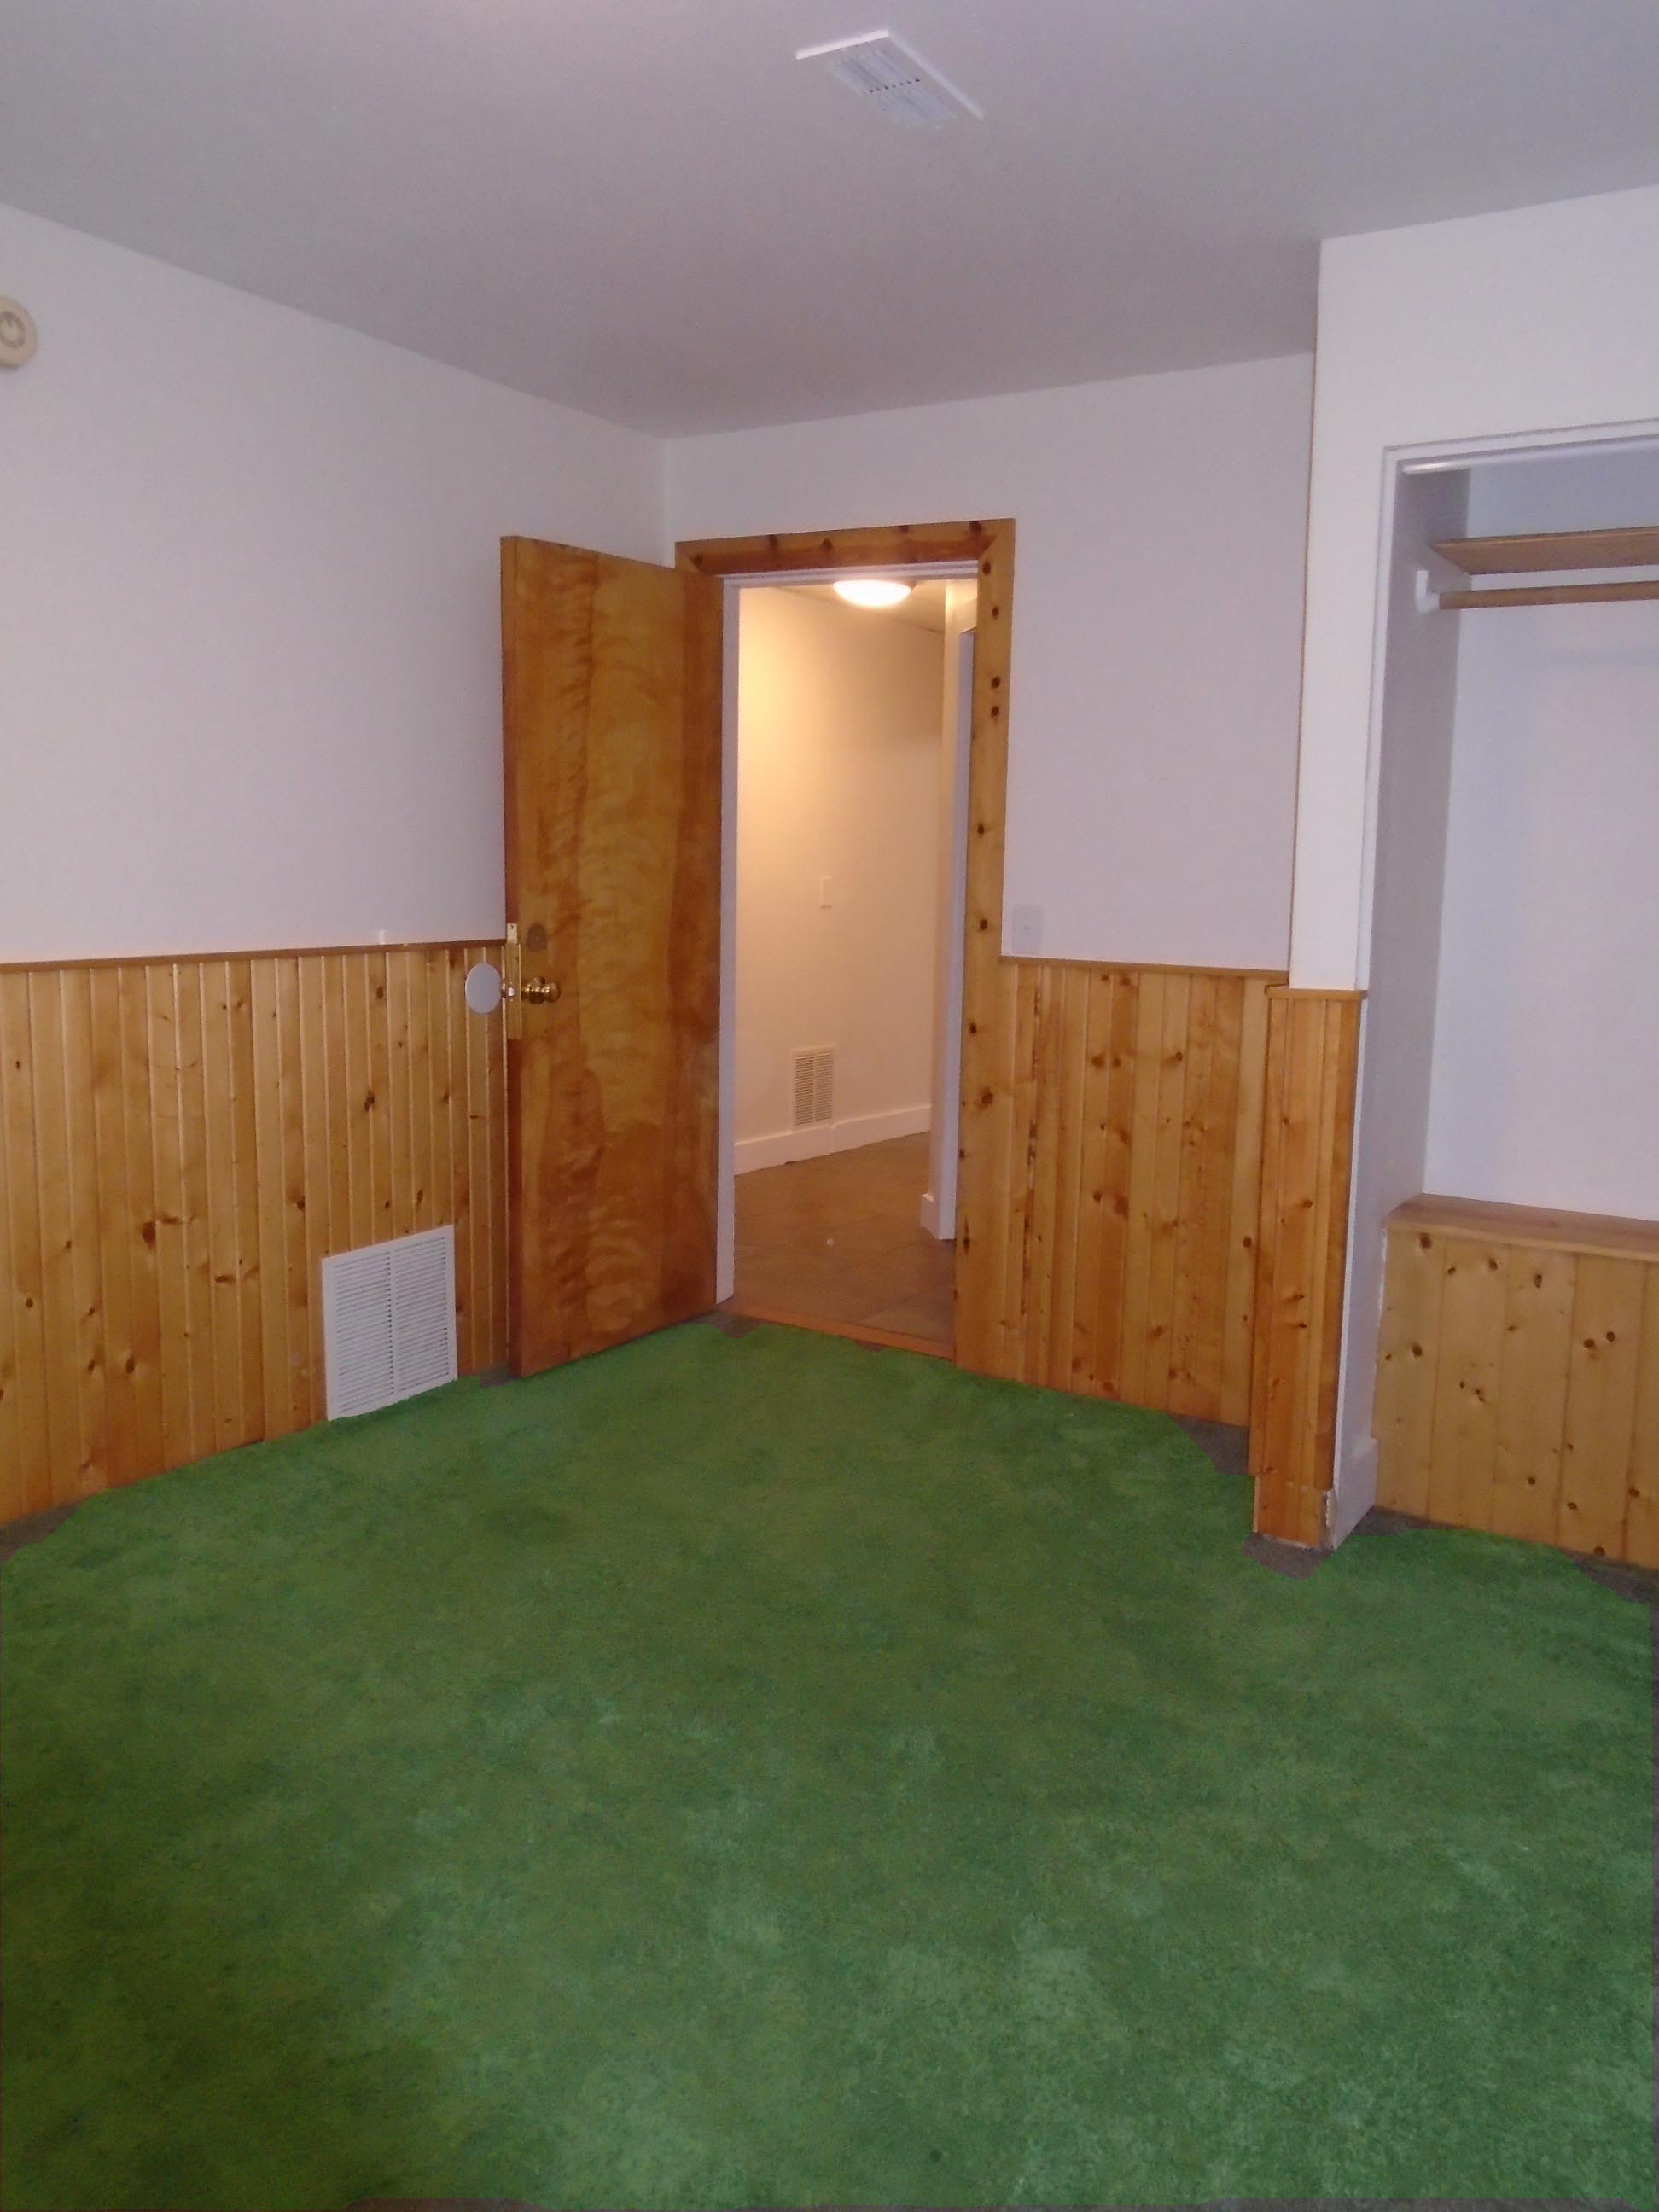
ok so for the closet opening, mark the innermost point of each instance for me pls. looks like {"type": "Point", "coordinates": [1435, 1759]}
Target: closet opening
{"type": "Point", "coordinates": [1501, 1367]}
{"type": "Point", "coordinates": [848, 708]}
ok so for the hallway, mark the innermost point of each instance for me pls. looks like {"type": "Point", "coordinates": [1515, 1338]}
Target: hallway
{"type": "Point", "coordinates": [837, 1240]}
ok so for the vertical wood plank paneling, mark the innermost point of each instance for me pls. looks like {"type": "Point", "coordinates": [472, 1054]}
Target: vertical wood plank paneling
{"type": "Point", "coordinates": [415, 963]}
{"type": "Point", "coordinates": [1532, 1393]}
{"type": "Point", "coordinates": [172, 1246]}
{"type": "Point", "coordinates": [138, 1229]}
{"type": "Point", "coordinates": [82, 1232]}
{"type": "Point", "coordinates": [438, 986]}
{"type": "Point", "coordinates": [1109, 1243]}
{"type": "Point", "coordinates": [1473, 1301]}
{"type": "Point", "coordinates": [51, 1173]}
{"type": "Point", "coordinates": [1642, 1517]}
{"type": "Point", "coordinates": [1018, 1178]}
{"type": "Point", "coordinates": [291, 1090]}
{"type": "Point", "coordinates": [181, 1143]}
{"type": "Point", "coordinates": [29, 1487]}
{"type": "Point", "coordinates": [1519, 1377]}
{"type": "Point", "coordinates": [1244, 1204]}
{"type": "Point", "coordinates": [1118, 1232]}
{"type": "Point", "coordinates": [268, 1184]}
{"type": "Point", "coordinates": [244, 1202]}
{"type": "Point", "coordinates": [355, 1135]}
{"type": "Point", "coordinates": [1134, 1318]}
{"type": "Point", "coordinates": [193, 1205]}
{"type": "Point", "coordinates": [1408, 1358]}
{"type": "Point", "coordinates": [319, 1185]}
{"type": "Point", "coordinates": [1173, 1049]}
{"type": "Point", "coordinates": [1057, 1353]}
{"type": "Point", "coordinates": [1601, 1396]}
{"type": "Point", "coordinates": [225, 1331]}
{"type": "Point", "coordinates": [1090, 1222]}
{"type": "Point", "coordinates": [1049, 1089]}
{"type": "Point", "coordinates": [1313, 1058]}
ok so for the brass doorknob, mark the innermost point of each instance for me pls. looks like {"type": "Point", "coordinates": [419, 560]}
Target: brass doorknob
{"type": "Point", "coordinates": [540, 991]}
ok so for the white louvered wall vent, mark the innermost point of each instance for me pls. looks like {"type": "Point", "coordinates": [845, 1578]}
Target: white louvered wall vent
{"type": "Point", "coordinates": [892, 77]}
{"type": "Point", "coordinates": [814, 1087]}
{"type": "Point", "coordinates": [389, 1322]}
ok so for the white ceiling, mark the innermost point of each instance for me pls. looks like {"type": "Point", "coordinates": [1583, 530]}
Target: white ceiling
{"type": "Point", "coordinates": [648, 209]}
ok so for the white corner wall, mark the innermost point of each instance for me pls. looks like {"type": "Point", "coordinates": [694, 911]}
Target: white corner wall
{"type": "Point", "coordinates": [1156, 627]}
{"type": "Point", "coordinates": [1538, 322]}
{"type": "Point", "coordinates": [839, 743]}
{"type": "Point", "coordinates": [1546, 1044]}
{"type": "Point", "coordinates": [1397, 1056]}
{"type": "Point", "coordinates": [249, 604]}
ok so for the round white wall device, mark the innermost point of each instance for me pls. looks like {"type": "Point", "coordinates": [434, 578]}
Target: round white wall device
{"type": "Point", "coordinates": [18, 335]}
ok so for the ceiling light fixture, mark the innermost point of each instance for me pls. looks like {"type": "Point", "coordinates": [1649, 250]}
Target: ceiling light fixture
{"type": "Point", "coordinates": [873, 591]}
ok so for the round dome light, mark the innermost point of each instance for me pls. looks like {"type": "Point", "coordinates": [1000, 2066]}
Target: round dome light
{"type": "Point", "coordinates": [872, 591]}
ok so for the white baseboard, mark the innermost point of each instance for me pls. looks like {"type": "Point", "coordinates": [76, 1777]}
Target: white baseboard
{"type": "Point", "coordinates": [929, 1213]}
{"type": "Point", "coordinates": [829, 1137]}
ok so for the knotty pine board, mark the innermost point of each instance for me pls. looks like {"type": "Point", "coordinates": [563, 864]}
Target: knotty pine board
{"type": "Point", "coordinates": [1307, 1156]}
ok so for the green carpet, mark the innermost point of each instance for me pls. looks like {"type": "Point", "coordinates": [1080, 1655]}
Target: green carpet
{"type": "Point", "coordinates": [764, 1772]}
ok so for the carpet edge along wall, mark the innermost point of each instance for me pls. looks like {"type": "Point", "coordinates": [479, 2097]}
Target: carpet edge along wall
{"type": "Point", "coordinates": [183, 1141]}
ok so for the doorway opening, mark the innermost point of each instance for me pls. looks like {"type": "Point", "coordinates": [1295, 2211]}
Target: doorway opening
{"type": "Point", "coordinates": [846, 738]}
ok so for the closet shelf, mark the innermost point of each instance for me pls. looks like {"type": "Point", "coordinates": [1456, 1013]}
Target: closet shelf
{"type": "Point", "coordinates": [1552, 550]}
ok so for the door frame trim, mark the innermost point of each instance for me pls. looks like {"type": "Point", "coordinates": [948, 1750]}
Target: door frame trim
{"type": "Point", "coordinates": [989, 546]}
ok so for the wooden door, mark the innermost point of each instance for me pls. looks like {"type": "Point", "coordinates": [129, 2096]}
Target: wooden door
{"type": "Point", "coordinates": [611, 695]}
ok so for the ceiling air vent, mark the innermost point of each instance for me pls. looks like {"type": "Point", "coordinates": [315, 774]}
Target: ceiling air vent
{"type": "Point", "coordinates": [893, 78]}
{"type": "Point", "coordinates": [389, 1322]}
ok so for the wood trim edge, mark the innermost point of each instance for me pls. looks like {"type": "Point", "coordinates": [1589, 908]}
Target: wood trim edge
{"type": "Point", "coordinates": [256, 952]}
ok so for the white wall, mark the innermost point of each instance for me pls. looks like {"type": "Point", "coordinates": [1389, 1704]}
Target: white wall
{"type": "Point", "coordinates": [839, 739]}
{"type": "Point", "coordinates": [249, 613]}
{"type": "Point", "coordinates": [1156, 627]}
{"type": "Point", "coordinates": [1547, 1047]}
{"type": "Point", "coordinates": [1397, 1039]}
{"type": "Point", "coordinates": [1540, 321]}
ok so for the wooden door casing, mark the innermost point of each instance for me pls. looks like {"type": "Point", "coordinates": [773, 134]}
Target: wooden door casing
{"type": "Point", "coordinates": [610, 675]}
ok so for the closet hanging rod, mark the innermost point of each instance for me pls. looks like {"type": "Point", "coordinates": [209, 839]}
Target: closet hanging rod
{"type": "Point", "coordinates": [1533, 595]}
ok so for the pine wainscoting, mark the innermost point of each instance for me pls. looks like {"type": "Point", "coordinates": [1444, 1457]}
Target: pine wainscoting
{"type": "Point", "coordinates": [181, 1143]}
{"type": "Point", "coordinates": [1517, 1388]}
{"type": "Point", "coordinates": [1111, 1165]}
